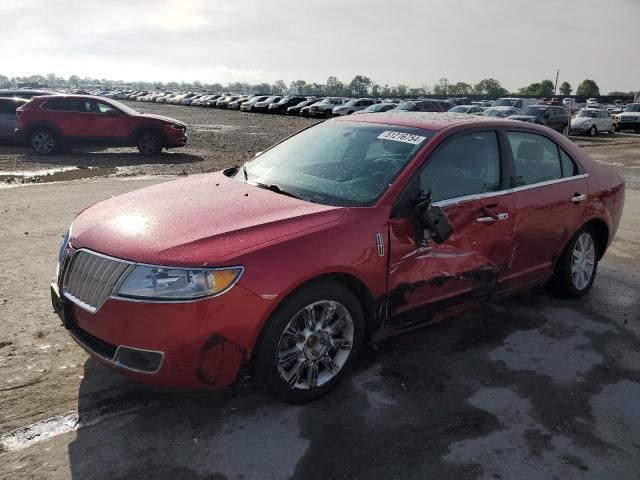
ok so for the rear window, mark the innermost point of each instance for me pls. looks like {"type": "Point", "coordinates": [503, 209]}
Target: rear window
{"type": "Point", "coordinates": [65, 105]}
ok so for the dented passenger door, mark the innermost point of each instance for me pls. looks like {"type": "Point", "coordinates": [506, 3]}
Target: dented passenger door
{"type": "Point", "coordinates": [464, 177]}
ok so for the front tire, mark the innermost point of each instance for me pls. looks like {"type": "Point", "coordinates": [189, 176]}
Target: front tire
{"type": "Point", "coordinates": [310, 342]}
{"type": "Point", "coordinates": [577, 266]}
{"type": "Point", "coordinates": [593, 131]}
{"type": "Point", "coordinates": [149, 143]}
{"type": "Point", "coordinates": [565, 131]}
{"type": "Point", "coordinates": [612, 129]}
{"type": "Point", "coordinates": [43, 141]}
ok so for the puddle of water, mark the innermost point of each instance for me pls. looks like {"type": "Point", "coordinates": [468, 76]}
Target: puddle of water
{"type": "Point", "coordinates": [8, 179]}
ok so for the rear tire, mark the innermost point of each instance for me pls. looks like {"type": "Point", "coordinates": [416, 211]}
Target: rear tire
{"type": "Point", "coordinates": [149, 142]}
{"type": "Point", "coordinates": [44, 141]}
{"type": "Point", "coordinates": [577, 266]}
{"type": "Point", "coordinates": [565, 131]}
{"type": "Point", "coordinates": [310, 342]}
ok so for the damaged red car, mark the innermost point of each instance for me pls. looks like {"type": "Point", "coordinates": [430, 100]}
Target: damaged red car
{"type": "Point", "coordinates": [345, 233]}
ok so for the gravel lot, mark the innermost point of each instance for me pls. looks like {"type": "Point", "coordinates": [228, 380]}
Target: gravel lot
{"type": "Point", "coordinates": [531, 387]}
{"type": "Point", "coordinates": [216, 139]}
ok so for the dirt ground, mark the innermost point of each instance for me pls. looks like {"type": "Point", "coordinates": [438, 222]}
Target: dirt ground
{"type": "Point", "coordinates": [531, 387]}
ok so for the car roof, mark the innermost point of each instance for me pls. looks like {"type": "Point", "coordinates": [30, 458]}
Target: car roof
{"type": "Point", "coordinates": [74, 96]}
{"type": "Point", "coordinates": [434, 121]}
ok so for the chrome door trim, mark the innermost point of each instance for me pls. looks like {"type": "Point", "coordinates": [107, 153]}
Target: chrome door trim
{"type": "Point", "coordinates": [479, 196]}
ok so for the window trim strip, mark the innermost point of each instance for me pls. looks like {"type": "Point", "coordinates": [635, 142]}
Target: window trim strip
{"type": "Point", "coordinates": [479, 196]}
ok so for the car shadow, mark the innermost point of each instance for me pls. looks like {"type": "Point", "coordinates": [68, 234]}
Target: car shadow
{"type": "Point", "coordinates": [395, 415]}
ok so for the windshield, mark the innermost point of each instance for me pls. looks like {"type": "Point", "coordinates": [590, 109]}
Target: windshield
{"type": "Point", "coordinates": [351, 103]}
{"type": "Point", "coordinates": [122, 107]}
{"type": "Point", "coordinates": [504, 102]}
{"type": "Point", "coordinates": [325, 101]}
{"type": "Point", "coordinates": [410, 106]}
{"type": "Point", "coordinates": [588, 113]}
{"type": "Point", "coordinates": [338, 163]}
{"type": "Point", "coordinates": [492, 112]}
{"type": "Point", "coordinates": [633, 108]}
{"type": "Point", "coordinates": [534, 111]}
{"type": "Point", "coordinates": [459, 109]}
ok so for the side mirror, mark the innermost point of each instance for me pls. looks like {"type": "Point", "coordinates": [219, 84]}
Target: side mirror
{"type": "Point", "coordinates": [111, 113]}
{"type": "Point", "coordinates": [432, 219]}
{"type": "Point", "coordinates": [258, 154]}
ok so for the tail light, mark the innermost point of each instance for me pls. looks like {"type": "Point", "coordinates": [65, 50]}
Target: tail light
{"type": "Point", "coordinates": [19, 118]}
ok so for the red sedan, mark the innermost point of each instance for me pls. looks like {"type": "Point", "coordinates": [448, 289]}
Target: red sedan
{"type": "Point", "coordinates": [49, 123]}
{"type": "Point", "coordinates": [345, 233]}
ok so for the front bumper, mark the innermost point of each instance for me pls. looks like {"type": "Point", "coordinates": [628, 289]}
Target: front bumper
{"type": "Point", "coordinates": [195, 346]}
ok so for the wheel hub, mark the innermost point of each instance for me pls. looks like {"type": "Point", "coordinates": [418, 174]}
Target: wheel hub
{"type": "Point", "coordinates": [316, 345]}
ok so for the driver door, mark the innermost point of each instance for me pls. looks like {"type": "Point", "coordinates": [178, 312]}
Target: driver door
{"type": "Point", "coordinates": [465, 178]}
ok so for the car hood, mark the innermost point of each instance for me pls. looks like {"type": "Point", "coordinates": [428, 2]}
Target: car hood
{"type": "Point", "coordinates": [196, 221]}
{"type": "Point", "coordinates": [163, 118]}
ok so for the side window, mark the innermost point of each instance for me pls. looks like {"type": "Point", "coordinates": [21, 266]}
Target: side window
{"type": "Point", "coordinates": [536, 159]}
{"type": "Point", "coordinates": [569, 167]}
{"type": "Point", "coordinates": [466, 165]}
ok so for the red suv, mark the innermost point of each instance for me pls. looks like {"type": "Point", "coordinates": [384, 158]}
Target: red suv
{"type": "Point", "coordinates": [50, 122]}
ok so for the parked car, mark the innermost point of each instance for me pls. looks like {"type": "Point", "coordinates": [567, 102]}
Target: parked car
{"type": "Point", "coordinates": [249, 104]}
{"type": "Point", "coordinates": [629, 119]}
{"type": "Point", "coordinates": [324, 108]}
{"type": "Point", "coordinates": [557, 118]}
{"type": "Point", "coordinates": [471, 109]}
{"type": "Point", "coordinates": [420, 106]}
{"type": "Point", "coordinates": [181, 291]}
{"type": "Point", "coordinates": [284, 103]}
{"type": "Point", "coordinates": [235, 105]}
{"type": "Point", "coordinates": [213, 100]}
{"type": "Point", "coordinates": [500, 112]}
{"type": "Point", "coordinates": [520, 103]}
{"type": "Point", "coordinates": [352, 106]}
{"type": "Point", "coordinates": [263, 105]}
{"type": "Point", "coordinates": [49, 123]}
{"type": "Point", "coordinates": [8, 118]}
{"type": "Point", "coordinates": [296, 109]}
{"type": "Point", "coordinates": [377, 108]}
{"type": "Point", "coordinates": [591, 121]}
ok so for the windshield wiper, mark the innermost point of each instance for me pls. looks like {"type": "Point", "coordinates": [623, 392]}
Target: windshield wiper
{"type": "Point", "coordinates": [277, 189]}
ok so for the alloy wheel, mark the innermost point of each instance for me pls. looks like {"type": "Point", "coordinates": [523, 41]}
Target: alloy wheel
{"type": "Point", "coordinates": [583, 261]}
{"type": "Point", "coordinates": [148, 143]}
{"type": "Point", "coordinates": [565, 130]}
{"type": "Point", "coordinates": [315, 345]}
{"type": "Point", "coordinates": [43, 142]}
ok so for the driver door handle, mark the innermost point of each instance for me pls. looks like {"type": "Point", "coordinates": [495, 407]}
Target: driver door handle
{"type": "Point", "coordinates": [578, 197]}
{"type": "Point", "coordinates": [499, 217]}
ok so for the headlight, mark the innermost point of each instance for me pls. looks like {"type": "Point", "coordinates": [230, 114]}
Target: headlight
{"type": "Point", "coordinates": [167, 283]}
{"type": "Point", "coordinates": [586, 124]}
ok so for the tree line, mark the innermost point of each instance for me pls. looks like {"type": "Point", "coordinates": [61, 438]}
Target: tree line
{"type": "Point", "coordinates": [359, 86]}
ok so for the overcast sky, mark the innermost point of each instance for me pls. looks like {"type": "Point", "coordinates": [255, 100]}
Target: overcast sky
{"type": "Point", "coordinates": [415, 42]}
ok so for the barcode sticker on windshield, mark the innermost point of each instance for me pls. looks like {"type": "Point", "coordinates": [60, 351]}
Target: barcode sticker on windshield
{"type": "Point", "coordinates": [401, 137]}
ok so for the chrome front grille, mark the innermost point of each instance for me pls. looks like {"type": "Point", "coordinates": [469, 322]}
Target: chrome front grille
{"type": "Point", "coordinates": [90, 278]}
